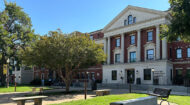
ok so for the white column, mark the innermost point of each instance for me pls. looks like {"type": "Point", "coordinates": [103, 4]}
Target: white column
{"type": "Point", "coordinates": [109, 54]}
{"type": "Point", "coordinates": [138, 45]}
{"type": "Point", "coordinates": [105, 46]}
{"type": "Point", "coordinates": [122, 47]}
{"type": "Point", "coordinates": [164, 49]}
{"type": "Point", "coordinates": [158, 42]}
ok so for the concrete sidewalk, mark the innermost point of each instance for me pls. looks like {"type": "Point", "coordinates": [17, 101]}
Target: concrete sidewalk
{"type": "Point", "coordinates": [5, 99]}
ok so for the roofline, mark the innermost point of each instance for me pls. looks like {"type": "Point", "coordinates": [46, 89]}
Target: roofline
{"type": "Point", "coordinates": [136, 8]}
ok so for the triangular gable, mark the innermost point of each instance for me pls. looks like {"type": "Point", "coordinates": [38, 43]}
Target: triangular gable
{"type": "Point", "coordinates": [134, 8]}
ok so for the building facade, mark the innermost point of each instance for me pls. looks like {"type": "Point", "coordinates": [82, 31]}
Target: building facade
{"type": "Point", "coordinates": [136, 53]}
{"type": "Point", "coordinates": [93, 72]}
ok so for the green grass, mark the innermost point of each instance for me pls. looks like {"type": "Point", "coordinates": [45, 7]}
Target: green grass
{"type": "Point", "coordinates": [180, 100]}
{"type": "Point", "coordinates": [106, 100]}
{"type": "Point", "coordinates": [18, 89]}
{"type": "Point", "coordinates": [103, 100]}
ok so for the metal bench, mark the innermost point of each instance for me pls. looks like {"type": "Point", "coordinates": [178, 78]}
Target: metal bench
{"type": "Point", "coordinates": [37, 100]}
{"type": "Point", "coordinates": [102, 92]}
{"type": "Point", "coordinates": [163, 93]}
{"type": "Point", "coordinates": [150, 100]}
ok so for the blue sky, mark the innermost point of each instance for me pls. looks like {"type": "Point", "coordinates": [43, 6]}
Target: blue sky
{"type": "Point", "coordinates": [80, 15]}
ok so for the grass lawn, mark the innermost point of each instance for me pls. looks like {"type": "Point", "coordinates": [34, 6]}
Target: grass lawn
{"type": "Point", "coordinates": [106, 100]}
{"type": "Point", "coordinates": [18, 89]}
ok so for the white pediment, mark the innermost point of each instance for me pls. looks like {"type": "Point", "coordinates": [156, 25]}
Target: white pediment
{"type": "Point", "coordinates": [141, 14]}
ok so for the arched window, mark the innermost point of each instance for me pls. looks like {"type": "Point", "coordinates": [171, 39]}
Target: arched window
{"type": "Point", "coordinates": [130, 19]}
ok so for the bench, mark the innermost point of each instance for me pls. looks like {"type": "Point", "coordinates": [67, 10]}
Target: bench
{"type": "Point", "coordinates": [40, 88]}
{"type": "Point", "coordinates": [163, 93]}
{"type": "Point", "coordinates": [37, 100]}
{"type": "Point", "coordinates": [150, 100]}
{"type": "Point", "coordinates": [102, 92]}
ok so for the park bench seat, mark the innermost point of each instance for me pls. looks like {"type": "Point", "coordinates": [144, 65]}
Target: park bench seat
{"type": "Point", "coordinates": [102, 92]}
{"type": "Point", "coordinates": [150, 100]}
{"type": "Point", "coordinates": [37, 100]}
{"type": "Point", "coordinates": [163, 93]}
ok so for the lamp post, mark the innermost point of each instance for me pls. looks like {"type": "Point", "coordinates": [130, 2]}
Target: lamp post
{"type": "Point", "coordinates": [153, 74]}
{"type": "Point", "coordinates": [8, 72]}
{"type": "Point", "coordinates": [85, 85]}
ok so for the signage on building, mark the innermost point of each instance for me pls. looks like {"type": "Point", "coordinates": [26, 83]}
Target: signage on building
{"type": "Point", "coordinates": [5, 69]}
{"type": "Point", "coordinates": [159, 73]}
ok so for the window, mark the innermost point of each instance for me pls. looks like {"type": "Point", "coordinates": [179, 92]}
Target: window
{"type": "Point", "coordinates": [170, 52]}
{"type": "Point", "coordinates": [150, 54]}
{"type": "Point", "coordinates": [188, 73]}
{"type": "Point", "coordinates": [125, 22]}
{"type": "Point", "coordinates": [147, 74]}
{"type": "Point", "coordinates": [114, 75]}
{"type": "Point", "coordinates": [132, 56]}
{"type": "Point", "coordinates": [117, 58]}
{"type": "Point", "coordinates": [133, 39]}
{"type": "Point", "coordinates": [91, 37]}
{"type": "Point", "coordinates": [179, 72]}
{"type": "Point", "coordinates": [149, 36]}
{"type": "Point", "coordinates": [188, 52]}
{"type": "Point", "coordinates": [134, 19]}
{"type": "Point", "coordinates": [130, 19]}
{"type": "Point", "coordinates": [117, 42]}
{"type": "Point", "coordinates": [179, 53]}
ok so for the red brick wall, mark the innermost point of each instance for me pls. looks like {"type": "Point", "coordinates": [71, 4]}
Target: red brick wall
{"type": "Point", "coordinates": [39, 72]}
{"type": "Point", "coordinates": [144, 39]}
{"type": "Point", "coordinates": [183, 66]}
{"type": "Point", "coordinates": [98, 35]}
{"type": "Point", "coordinates": [174, 46]}
{"type": "Point", "coordinates": [127, 43]}
{"type": "Point", "coordinates": [113, 43]}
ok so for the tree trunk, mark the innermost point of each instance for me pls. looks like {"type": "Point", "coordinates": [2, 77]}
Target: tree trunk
{"type": "Point", "coordinates": [67, 87]}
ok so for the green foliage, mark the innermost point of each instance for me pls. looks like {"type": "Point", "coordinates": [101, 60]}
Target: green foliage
{"type": "Point", "coordinates": [180, 24]}
{"type": "Point", "coordinates": [63, 53]}
{"type": "Point", "coordinates": [15, 30]}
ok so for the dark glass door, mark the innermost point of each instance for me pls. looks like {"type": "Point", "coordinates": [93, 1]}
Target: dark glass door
{"type": "Point", "coordinates": [130, 76]}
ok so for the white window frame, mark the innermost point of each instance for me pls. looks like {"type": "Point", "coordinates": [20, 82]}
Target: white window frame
{"type": "Point", "coordinates": [177, 55]}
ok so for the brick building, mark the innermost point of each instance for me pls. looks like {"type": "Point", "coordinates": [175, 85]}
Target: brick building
{"type": "Point", "coordinates": [94, 71]}
{"type": "Point", "coordinates": [136, 53]}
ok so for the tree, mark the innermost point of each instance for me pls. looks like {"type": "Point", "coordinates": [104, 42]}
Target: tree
{"type": "Point", "coordinates": [180, 24]}
{"type": "Point", "coordinates": [15, 33]}
{"type": "Point", "coordinates": [64, 53]}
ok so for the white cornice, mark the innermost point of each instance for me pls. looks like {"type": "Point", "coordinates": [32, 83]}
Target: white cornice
{"type": "Point", "coordinates": [137, 26]}
{"type": "Point", "coordinates": [161, 13]}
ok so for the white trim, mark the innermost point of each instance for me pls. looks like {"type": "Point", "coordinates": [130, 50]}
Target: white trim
{"type": "Point", "coordinates": [161, 13]}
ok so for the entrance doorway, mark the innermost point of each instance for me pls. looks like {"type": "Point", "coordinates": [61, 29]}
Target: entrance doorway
{"type": "Point", "coordinates": [130, 76]}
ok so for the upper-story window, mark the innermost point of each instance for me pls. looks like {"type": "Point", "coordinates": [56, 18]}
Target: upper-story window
{"type": "Point", "coordinates": [117, 58]}
{"type": "Point", "coordinates": [150, 54]}
{"type": "Point", "coordinates": [149, 36]}
{"type": "Point", "coordinates": [179, 53]}
{"type": "Point", "coordinates": [132, 56]}
{"type": "Point", "coordinates": [134, 19]}
{"type": "Point", "coordinates": [188, 52]}
{"type": "Point", "coordinates": [130, 19]}
{"type": "Point", "coordinates": [117, 44]}
{"type": "Point", "coordinates": [125, 22]}
{"type": "Point", "coordinates": [132, 39]}
{"type": "Point", "coordinates": [91, 37]}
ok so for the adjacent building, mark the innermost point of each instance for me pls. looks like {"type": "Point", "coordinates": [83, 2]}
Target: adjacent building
{"type": "Point", "coordinates": [136, 54]}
